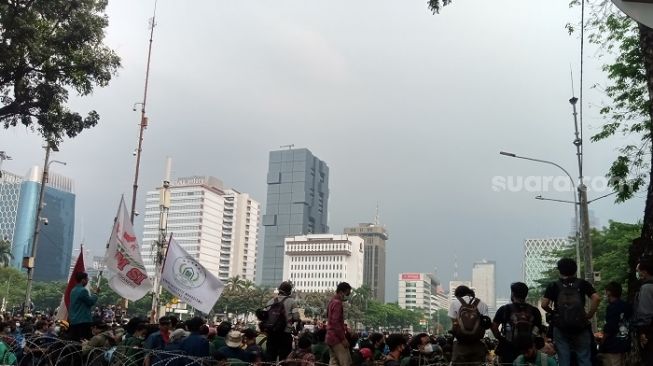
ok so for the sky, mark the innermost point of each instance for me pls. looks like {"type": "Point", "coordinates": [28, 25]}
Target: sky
{"type": "Point", "coordinates": [408, 109]}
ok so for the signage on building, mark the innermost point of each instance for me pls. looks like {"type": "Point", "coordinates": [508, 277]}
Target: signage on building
{"type": "Point", "coordinates": [411, 276]}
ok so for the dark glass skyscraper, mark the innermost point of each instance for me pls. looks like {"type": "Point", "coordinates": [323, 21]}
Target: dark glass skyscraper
{"type": "Point", "coordinates": [298, 196]}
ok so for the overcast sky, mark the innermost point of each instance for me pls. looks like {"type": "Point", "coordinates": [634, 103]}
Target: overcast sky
{"type": "Point", "coordinates": [407, 108]}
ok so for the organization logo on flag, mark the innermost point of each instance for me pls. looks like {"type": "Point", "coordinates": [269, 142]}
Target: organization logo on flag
{"type": "Point", "coordinates": [188, 272]}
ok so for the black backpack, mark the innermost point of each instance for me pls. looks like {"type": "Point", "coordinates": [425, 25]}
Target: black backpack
{"type": "Point", "coordinates": [273, 317]}
{"type": "Point", "coordinates": [520, 324]}
{"type": "Point", "coordinates": [468, 326]}
{"type": "Point", "coordinates": [571, 316]}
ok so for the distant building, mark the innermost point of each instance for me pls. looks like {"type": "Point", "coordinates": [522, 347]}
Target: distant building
{"type": "Point", "coordinates": [419, 291]}
{"type": "Point", "coordinates": [538, 258]}
{"type": "Point", "coordinates": [55, 242]}
{"type": "Point", "coordinates": [216, 225]}
{"type": "Point", "coordinates": [9, 196]}
{"type": "Point", "coordinates": [484, 283]}
{"type": "Point", "coordinates": [297, 203]}
{"type": "Point", "coordinates": [319, 262]}
{"type": "Point", "coordinates": [375, 237]}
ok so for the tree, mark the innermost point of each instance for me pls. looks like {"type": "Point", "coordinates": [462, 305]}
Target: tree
{"type": "Point", "coordinates": [49, 48]}
{"type": "Point", "coordinates": [5, 253]}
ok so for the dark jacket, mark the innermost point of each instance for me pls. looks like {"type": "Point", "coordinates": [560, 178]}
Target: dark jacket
{"type": "Point", "coordinates": [195, 345]}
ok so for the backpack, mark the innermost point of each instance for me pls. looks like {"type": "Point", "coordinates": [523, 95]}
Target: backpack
{"type": "Point", "coordinates": [520, 324]}
{"type": "Point", "coordinates": [570, 308]}
{"type": "Point", "coordinates": [273, 317]}
{"type": "Point", "coordinates": [468, 326]}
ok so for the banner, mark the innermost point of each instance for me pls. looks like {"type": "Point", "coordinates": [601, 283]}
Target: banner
{"type": "Point", "coordinates": [184, 277]}
{"type": "Point", "coordinates": [62, 313]}
{"type": "Point", "coordinates": [128, 277]}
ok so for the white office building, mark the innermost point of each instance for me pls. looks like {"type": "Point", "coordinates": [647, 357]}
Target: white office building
{"type": "Point", "coordinates": [216, 225]}
{"type": "Point", "coordinates": [418, 291]}
{"type": "Point", "coordinates": [484, 283]}
{"type": "Point", "coordinates": [538, 257]}
{"type": "Point", "coordinates": [319, 262]}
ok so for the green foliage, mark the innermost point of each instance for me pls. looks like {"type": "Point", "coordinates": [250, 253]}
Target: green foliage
{"type": "Point", "coordinates": [436, 5]}
{"type": "Point", "coordinates": [49, 48]}
{"type": "Point", "coordinates": [5, 253]}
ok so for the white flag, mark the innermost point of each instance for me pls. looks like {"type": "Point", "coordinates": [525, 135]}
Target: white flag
{"type": "Point", "coordinates": [123, 259]}
{"type": "Point", "coordinates": [184, 277]}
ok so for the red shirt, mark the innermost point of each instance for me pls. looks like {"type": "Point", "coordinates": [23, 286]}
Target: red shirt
{"type": "Point", "coordinates": [335, 323]}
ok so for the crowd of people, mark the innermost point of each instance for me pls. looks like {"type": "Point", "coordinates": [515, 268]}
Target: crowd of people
{"type": "Point", "coordinates": [517, 335]}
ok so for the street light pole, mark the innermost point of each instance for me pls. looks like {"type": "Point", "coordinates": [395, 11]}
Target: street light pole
{"type": "Point", "coordinates": [573, 184]}
{"type": "Point", "coordinates": [28, 262]}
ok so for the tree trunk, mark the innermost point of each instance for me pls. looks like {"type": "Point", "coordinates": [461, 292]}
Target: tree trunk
{"type": "Point", "coordinates": [644, 244]}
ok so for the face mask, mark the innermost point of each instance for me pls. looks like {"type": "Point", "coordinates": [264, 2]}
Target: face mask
{"type": "Point", "coordinates": [428, 348]}
{"type": "Point", "coordinates": [638, 275]}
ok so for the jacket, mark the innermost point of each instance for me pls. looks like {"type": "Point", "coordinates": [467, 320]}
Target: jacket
{"type": "Point", "coordinates": [81, 302]}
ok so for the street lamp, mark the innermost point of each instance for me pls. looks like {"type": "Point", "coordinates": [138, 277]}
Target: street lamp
{"type": "Point", "coordinates": [573, 184]}
{"type": "Point", "coordinates": [28, 262]}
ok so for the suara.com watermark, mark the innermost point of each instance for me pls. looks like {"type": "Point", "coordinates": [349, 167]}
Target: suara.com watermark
{"type": "Point", "coordinates": [543, 183]}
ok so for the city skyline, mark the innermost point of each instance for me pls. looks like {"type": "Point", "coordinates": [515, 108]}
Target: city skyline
{"type": "Point", "coordinates": [379, 99]}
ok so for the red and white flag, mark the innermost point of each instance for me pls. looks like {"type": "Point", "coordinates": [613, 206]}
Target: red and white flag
{"type": "Point", "coordinates": [62, 313]}
{"type": "Point", "coordinates": [128, 277]}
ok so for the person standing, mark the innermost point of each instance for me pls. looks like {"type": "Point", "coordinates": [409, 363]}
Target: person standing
{"type": "Point", "coordinates": [279, 343]}
{"type": "Point", "coordinates": [643, 310]}
{"type": "Point", "coordinates": [468, 315]}
{"type": "Point", "coordinates": [517, 321]}
{"type": "Point", "coordinates": [336, 337]}
{"type": "Point", "coordinates": [81, 304]}
{"type": "Point", "coordinates": [571, 327]}
{"type": "Point", "coordinates": [615, 341]}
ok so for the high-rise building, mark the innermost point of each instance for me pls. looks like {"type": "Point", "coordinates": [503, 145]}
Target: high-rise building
{"type": "Point", "coordinates": [56, 238]}
{"type": "Point", "coordinates": [484, 283]}
{"type": "Point", "coordinates": [375, 237]}
{"type": "Point", "coordinates": [418, 291]}
{"type": "Point", "coordinates": [297, 201]}
{"type": "Point", "coordinates": [319, 262]}
{"type": "Point", "coordinates": [216, 225]}
{"type": "Point", "coordinates": [537, 257]}
{"type": "Point", "coordinates": [9, 196]}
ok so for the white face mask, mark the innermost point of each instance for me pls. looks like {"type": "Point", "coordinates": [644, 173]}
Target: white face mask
{"type": "Point", "coordinates": [428, 348]}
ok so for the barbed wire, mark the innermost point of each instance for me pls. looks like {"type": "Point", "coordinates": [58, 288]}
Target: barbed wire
{"type": "Point", "coordinates": [50, 351]}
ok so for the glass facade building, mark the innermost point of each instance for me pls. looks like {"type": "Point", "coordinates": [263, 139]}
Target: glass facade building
{"type": "Point", "coordinates": [297, 202]}
{"type": "Point", "coordinates": [56, 239]}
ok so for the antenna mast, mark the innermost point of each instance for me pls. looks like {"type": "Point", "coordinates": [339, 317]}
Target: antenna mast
{"type": "Point", "coordinates": [143, 123]}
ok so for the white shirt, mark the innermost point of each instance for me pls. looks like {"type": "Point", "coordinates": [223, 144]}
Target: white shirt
{"type": "Point", "coordinates": [454, 307]}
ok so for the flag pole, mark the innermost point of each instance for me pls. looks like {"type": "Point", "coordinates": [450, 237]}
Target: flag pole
{"type": "Point", "coordinates": [156, 296]}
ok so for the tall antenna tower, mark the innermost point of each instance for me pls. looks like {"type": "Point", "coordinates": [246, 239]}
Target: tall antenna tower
{"type": "Point", "coordinates": [143, 123]}
{"type": "Point", "coordinates": [455, 268]}
{"type": "Point", "coordinates": [377, 217]}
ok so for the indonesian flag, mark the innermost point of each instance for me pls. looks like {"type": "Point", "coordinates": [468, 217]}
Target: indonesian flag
{"type": "Point", "coordinates": [62, 314]}
{"type": "Point", "coordinates": [123, 259]}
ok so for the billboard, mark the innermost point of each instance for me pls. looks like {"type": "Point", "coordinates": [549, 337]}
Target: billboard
{"type": "Point", "coordinates": [411, 276]}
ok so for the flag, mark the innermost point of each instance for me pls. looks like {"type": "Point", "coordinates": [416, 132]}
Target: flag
{"type": "Point", "coordinates": [187, 279]}
{"type": "Point", "coordinates": [128, 277]}
{"type": "Point", "coordinates": [62, 313]}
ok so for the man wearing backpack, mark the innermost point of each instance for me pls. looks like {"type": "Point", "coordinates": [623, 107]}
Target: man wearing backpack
{"type": "Point", "coordinates": [282, 314]}
{"type": "Point", "coordinates": [517, 321]}
{"type": "Point", "coordinates": [571, 328]}
{"type": "Point", "coordinates": [468, 315]}
{"type": "Point", "coordinates": [643, 310]}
